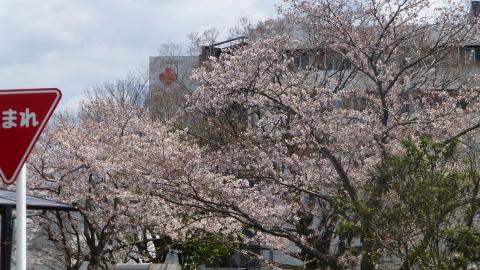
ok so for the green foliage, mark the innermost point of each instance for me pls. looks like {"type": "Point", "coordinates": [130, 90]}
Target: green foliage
{"type": "Point", "coordinates": [348, 230]}
{"type": "Point", "coordinates": [210, 249]}
{"type": "Point", "coordinates": [411, 207]}
{"type": "Point", "coordinates": [465, 242]}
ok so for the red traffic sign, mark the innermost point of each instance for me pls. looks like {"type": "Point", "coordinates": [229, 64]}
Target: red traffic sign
{"type": "Point", "coordinates": [24, 114]}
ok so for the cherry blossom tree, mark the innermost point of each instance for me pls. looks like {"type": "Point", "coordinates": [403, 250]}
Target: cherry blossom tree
{"type": "Point", "coordinates": [108, 161]}
{"type": "Point", "coordinates": [279, 148]}
{"type": "Point", "coordinates": [84, 160]}
{"type": "Point", "coordinates": [68, 164]}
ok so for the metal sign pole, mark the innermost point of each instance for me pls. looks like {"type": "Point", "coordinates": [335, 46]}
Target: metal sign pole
{"type": "Point", "coordinates": [21, 219]}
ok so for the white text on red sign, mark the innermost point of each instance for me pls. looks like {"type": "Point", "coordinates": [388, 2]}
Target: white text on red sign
{"type": "Point", "coordinates": [12, 119]}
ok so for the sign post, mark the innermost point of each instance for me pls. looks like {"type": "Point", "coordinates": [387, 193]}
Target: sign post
{"type": "Point", "coordinates": [24, 114]}
{"type": "Point", "coordinates": [21, 221]}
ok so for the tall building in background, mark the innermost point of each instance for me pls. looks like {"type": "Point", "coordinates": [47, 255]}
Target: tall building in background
{"type": "Point", "coordinates": [169, 83]}
{"type": "Point", "coordinates": [170, 77]}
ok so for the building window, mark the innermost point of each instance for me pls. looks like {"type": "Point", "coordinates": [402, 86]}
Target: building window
{"type": "Point", "coordinates": [473, 55]}
{"type": "Point", "coordinates": [302, 61]}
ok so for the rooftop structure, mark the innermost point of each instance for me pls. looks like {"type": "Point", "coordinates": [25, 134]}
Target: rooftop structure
{"type": "Point", "coordinates": [7, 204]}
{"type": "Point", "coordinates": [217, 48]}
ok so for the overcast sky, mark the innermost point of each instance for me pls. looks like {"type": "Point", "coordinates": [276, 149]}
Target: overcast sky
{"type": "Point", "coordinates": [75, 44]}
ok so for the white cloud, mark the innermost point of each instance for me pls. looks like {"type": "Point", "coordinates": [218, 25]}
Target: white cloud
{"type": "Point", "coordinates": [72, 104]}
{"type": "Point", "coordinates": [79, 43]}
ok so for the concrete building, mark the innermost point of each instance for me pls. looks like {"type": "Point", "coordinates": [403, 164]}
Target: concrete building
{"type": "Point", "coordinates": [169, 77]}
